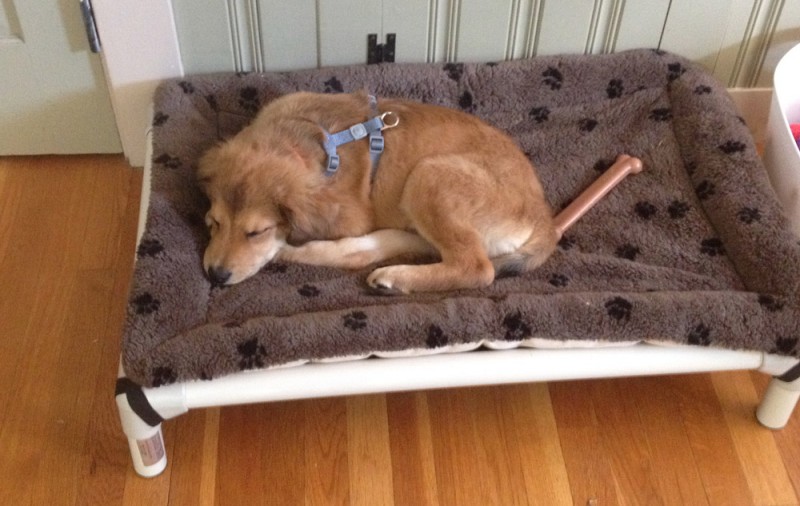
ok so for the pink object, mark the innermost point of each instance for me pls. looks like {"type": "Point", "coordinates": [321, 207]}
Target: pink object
{"type": "Point", "coordinates": [612, 177]}
{"type": "Point", "coordinates": [796, 132]}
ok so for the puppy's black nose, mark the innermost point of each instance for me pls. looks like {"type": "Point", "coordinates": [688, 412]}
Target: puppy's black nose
{"type": "Point", "coordinates": [218, 275]}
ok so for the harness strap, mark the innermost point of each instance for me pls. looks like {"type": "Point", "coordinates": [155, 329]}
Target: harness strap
{"type": "Point", "coordinates": [371, 128]}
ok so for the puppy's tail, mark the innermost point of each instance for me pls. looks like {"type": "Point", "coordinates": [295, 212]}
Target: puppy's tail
{"type": "Point", "coordinates": [529, 256]}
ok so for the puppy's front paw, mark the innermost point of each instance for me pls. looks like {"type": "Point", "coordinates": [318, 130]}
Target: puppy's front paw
{"type": "Point", "coordinates": [387, 281]}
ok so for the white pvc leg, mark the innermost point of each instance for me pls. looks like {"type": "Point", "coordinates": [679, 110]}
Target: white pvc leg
{"type": "Point", "coordinates": [778, 403]}
{"type": "Point", "coordinates": [146, 443]}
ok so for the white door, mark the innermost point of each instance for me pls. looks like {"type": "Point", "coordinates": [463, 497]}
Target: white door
{"type": "Point", "coordinates": [53, 94]}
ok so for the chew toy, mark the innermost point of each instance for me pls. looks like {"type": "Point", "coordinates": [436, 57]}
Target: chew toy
{"type": "Point", "coordinates": [623, 166]}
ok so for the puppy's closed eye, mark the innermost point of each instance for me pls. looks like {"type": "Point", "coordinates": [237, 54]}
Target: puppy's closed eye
{"type": "Point", "coordinates": [257, 233]}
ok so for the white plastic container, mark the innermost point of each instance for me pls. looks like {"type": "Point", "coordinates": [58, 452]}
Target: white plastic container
{"type": "Point", "coordinates": [781, 155]}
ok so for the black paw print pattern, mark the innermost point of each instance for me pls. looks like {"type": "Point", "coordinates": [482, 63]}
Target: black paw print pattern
{"type": "Point", "coordinates": [308, 291]}
{"type": "Point", "coordinates": [749, 215]}
{"type": "Point", "coordinates": [627, 251]}
{"type": "Point", "coordinates": [251, 354]}
{"type": "Point", "coordinates": [566, 243]}
{"type": "Point", "coordinates": [163, 376]}
{"type": "Point", "coordinates": [145, 304]}
{"type": "Point", "coordinates": [454, 70]}
{"type": "Point", "coordinates": [702, 89]}
{"type": "Point", "coordinates": [712, 247]}
{"type": "Point", "coordinates": [705, 189]}
{"type": "Point", "coordinates": [212, 102]}
{"type": "Point", "coordinates": [187, 87]}
{"type": "Point", "coordinates": [619, 309]}
{"type": "Point", "coordinates": [603, 164]}
{"type": "Point", "coordinates": [732, 147]}
{"type": "Point", "coordinates": [699, 335]}
{"type": "Point", "coordinates": [558, 280]}
{"type": "Point", "coordinates": [248, 99]}
{"type": "Point", "coordinates": [517, 328]}
{"type": "Point", "coordinates": [678, 209]}
{"type": "Point", "coordinates": [674, 71]}
{"type": "Point", "coordinates": [465, 102]}
{"type": "Point", "coordinates": [149, 248]}
{"type": "Point", "coordinates": [586, 125]}
{"type": "Point", "coordinates": [786, 345]}
{"type": "Point", "coordinates": [436, 337]}
{"type": "Point", "coordinates": [615, 88]}
{"type": "Point", "coordinates": [333, 85]}
{"type": "Point", "coordinates": [170, 162]}
{"type": "Point", "coordinates": [539, 114]}
{"type": "Point", "coordinates": [645, 210]}
{"type": "Point", "coordinates": [160, 118]}
{"type": "Point", "coordinates": [661, 114]}
{"type": "Point", "coordinates": [276, 268]}
{"type": "Point", "coordinates": [553, 78]}
{"type": "Point", "coordinates": [770, 303]}
{"type": "Point", "coordinates": [356, 320]}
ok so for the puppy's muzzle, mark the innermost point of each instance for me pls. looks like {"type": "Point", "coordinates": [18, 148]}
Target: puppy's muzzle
{"type": "Point", "coordinates": [218, 275]}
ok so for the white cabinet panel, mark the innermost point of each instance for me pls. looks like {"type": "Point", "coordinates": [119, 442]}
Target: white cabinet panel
{"type": "Point", "coordinates": [414, 21]}
{"type": "Point", "coordinates": [564, 27]}
{"type": "Point", "coordinates": [482, 30]}
{"type": "Point", "coordinates": [642, 24]}
{"type": "Point", "coordinates": [204, 35]}
{"type": "Point", "coordinates": [343, 29]}
{"type": "Point", "coordinates": [288, 34]}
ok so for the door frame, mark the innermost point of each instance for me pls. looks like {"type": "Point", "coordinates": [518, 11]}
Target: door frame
{"type": "Point", "coordinates": [139, 49]}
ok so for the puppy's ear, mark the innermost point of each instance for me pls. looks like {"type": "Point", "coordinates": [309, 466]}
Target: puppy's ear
{"type": "Point", "coordinates": [303, 217]}
{"type": "Point", "coordinates": [207, 166]}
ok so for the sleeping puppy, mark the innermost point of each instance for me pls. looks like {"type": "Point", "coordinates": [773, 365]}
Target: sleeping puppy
{"type": "Point", "coordinates": [446, 185]}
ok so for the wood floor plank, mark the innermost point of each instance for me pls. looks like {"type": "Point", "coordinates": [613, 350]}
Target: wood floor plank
{"type": "Point", "coordinates": [368, 451]}
{"type": "Point", "coordinates": [528, 413]}
{"type": "Point", "coordinates": [674, 471]}
{"type": "Point", "coordinates": [261, 454]}
{"type": "Point", "coordinates": [326, 454]}
{"type": "Point", "coordinates": [208, 473]}
{"type": "Point", "coordinates": [758, 454]}
{"type": "Point", "coordinates": [413, 468]}
{"type": "Point", "coordinates": [187, 459]}
{"type": "Point", "coordinates": [788, 438]}
{"type": "Point", "coordinates": [459, 477]}
{"type": "Point", "coordinates": [714, 451]}
{"type": "Point", "coordinates": [587, 464]}
{"type": "Point", "coordinates": [105, 458]}
{"type": "Point", "coordinates": [624, 439]}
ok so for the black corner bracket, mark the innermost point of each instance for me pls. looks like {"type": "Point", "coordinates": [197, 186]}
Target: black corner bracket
{"type": "Point", "coordinates": [380, 53]}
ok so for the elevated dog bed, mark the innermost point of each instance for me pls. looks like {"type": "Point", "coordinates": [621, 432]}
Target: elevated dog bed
{"type": "Point", "coordinates": [694, 250]}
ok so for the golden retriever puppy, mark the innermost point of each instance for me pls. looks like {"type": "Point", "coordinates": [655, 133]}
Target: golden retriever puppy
{"type": "Point", "coordinates": [446, 185]}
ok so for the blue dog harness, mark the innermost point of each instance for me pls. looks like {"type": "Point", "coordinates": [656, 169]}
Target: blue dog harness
{"type": "Point", "coordinates": [371, 128]}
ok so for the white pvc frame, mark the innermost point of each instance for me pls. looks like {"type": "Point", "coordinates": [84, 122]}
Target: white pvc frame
{"type": "Point", "coordinates": [385, 375]}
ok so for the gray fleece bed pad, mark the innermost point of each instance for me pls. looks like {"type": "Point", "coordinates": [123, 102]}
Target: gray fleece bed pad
{"type": "Point", "coordinates": [694, 250]}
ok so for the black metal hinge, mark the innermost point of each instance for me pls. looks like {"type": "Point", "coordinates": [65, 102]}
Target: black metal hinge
{"type": "Point", "coordinates": [91, 27]}
{"type": "Point", "coordinates": [380, 53]}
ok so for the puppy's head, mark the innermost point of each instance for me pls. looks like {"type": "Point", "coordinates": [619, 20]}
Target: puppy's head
{"type": "Point", "coordinates": [254, 193]}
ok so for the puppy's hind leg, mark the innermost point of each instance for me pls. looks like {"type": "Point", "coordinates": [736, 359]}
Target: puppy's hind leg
{"type": "Point", "coordinates": [442, 197]}
{"type": "Point", "coordinates": [530, 255]}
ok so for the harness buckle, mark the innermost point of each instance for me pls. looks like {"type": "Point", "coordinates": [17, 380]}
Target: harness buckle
{"type": "Point", "coordinates": [392, 122]}
{"type": "Point", "coordinates": [333, 164]}
{"type": "Point", "coordinates": [358, 131]}
{"type": "Point", "coordinates": [376, 144]}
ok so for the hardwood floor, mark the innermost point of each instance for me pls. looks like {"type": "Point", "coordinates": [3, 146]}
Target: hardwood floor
{"type": "Point", "coordinates": [67, 232]}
